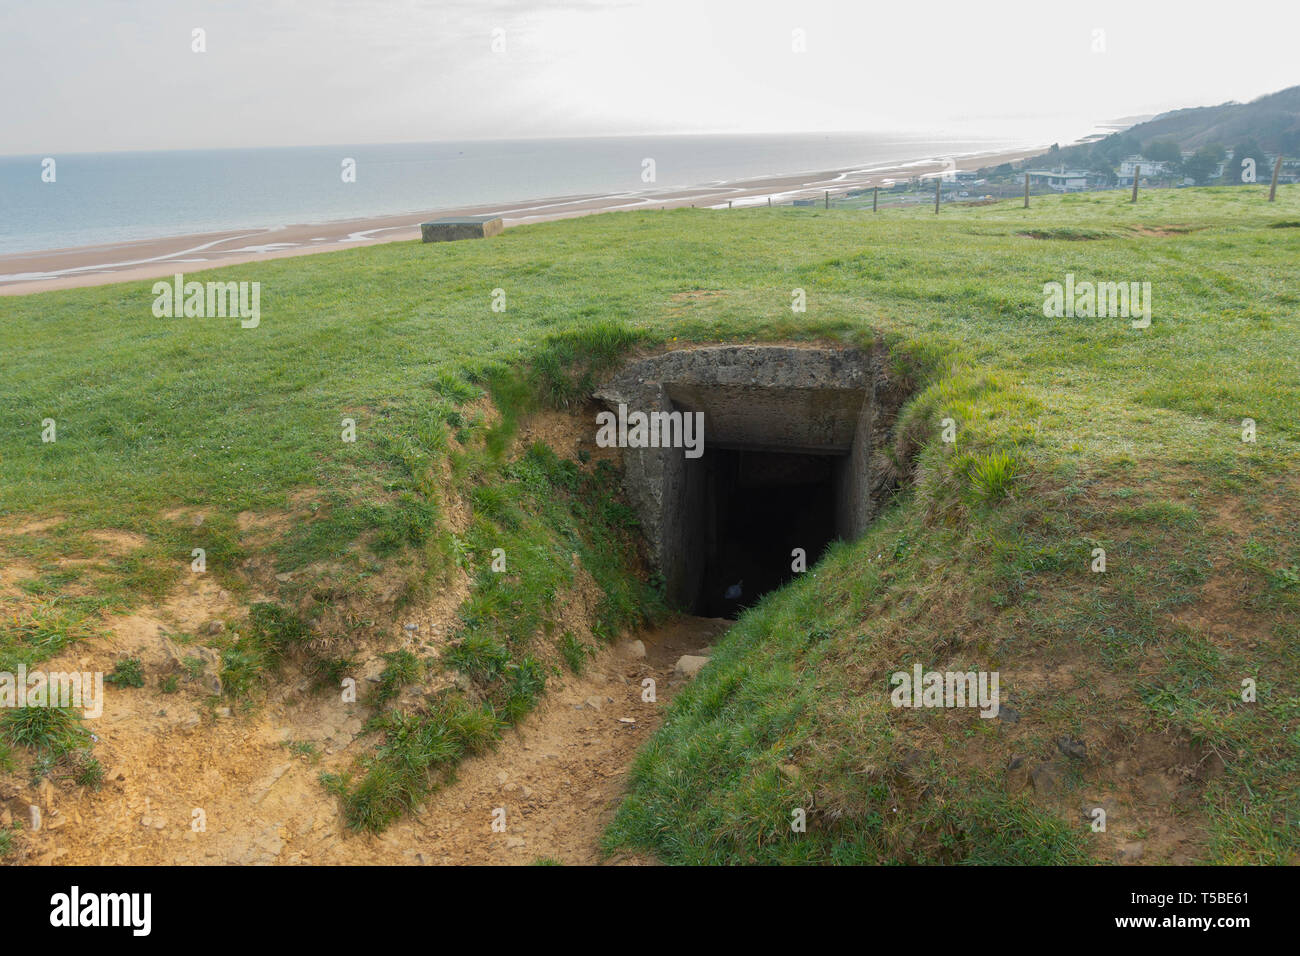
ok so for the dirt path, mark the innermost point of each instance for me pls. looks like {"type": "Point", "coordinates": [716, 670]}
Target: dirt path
{"type": "Point", "coordinates": [560, 776]}
{"type": "Point", "coordinates": [171, 766]}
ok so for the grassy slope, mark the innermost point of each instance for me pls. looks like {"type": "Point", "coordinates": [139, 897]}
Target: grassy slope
{"type": "Point", "coordinates": [1121, 438]}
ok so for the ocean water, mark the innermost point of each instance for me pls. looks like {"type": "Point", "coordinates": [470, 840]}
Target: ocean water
{"type": "Point", "coordinates": [108, 197]}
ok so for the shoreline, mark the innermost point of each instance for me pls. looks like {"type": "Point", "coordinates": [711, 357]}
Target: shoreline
{"type": "Point", "coordinates": [24, 273]}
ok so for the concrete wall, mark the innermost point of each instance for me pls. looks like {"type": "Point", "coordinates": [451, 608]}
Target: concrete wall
{"type": "Point", "coordinates": [852, 483]}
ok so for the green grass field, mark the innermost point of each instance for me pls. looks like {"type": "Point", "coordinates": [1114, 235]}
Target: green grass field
{"type": "Point", "coordinates": [1072, 434]}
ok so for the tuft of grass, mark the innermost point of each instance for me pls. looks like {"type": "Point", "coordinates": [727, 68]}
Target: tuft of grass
{"type": "Point", "coordinates": [479, 655]}
{"type": "Point", "coordinates": [476, 729]}
{"type": "Point", "coordinates": [7, 841]}
{"type": "Point", "coordinates": [193, 668]}
{"type": "Point", "coordinates": [52, 731]}
{"type": "Point", "coordinates": [403, 668]}
{"type": "Point", "coordinates": [85, 769]}
{"type": "Point", "coordinates": [574, 653]}
{"type": "Point", "coordinates": [127, 672]}
{"type": "Point", "coordinates": [415, 749]}
{"type": "Point", "coordinates": [329, 672]}
{"type": "Point", "coordinates": [993, 475]}
{"type": "Point", "coordinates": [568, 366]}
{"type": "Point", "coordinates": [304, 748]}
{"type": "Point", "coordinates": [35, 633]}
{"type": "Point", "coordinates": [271, 633]}
{"type": "Point", "coordinates": [524, 684]}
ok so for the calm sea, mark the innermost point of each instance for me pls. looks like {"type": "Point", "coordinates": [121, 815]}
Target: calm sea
{"type": "Point", "coordinates": [107, 197]}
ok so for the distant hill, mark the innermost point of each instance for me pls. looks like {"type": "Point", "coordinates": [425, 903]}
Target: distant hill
{"type": "Point", "coordinates": [1267, 126]}
{"type": "Point", "coordinates": [1273, 121]}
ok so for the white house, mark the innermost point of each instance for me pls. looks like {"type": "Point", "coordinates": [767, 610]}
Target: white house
{"type": "Point", "coordinates": [1062, 180]}
{"type": "Point", "coordinates": [1150, 167]}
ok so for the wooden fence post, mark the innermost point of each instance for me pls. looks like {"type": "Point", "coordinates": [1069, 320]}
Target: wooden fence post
{"type": "Point", "coordinates": [1026, 190]}
{"type": "Point", "coordinates": [769, 202]}
{"type": "Point", "coordinates": [875, 198]}
{"type": "Point", "coordinates": [828, 199]}
{"type": "Point", "coordinates": [1137, 171]}
{"type": "Point", "coordinates": [938, 187]}
{"type": "Point", "coordinates": [1277, 168]}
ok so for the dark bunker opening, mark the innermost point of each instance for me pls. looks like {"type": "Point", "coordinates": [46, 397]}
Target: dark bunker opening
{"type": "Point", "coordinates": [767, 514]}
{"type": "Point", "coordinates": [788, 461]}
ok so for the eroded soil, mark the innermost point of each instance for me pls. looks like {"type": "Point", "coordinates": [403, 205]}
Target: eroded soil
{"type": "Point", "coordinates": [188, 781]}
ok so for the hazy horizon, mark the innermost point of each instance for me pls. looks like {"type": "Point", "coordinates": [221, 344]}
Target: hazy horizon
{"type": "Point", "coordinates": [701, 134]}
{"type": "Point", "coordinates": [111, 77]}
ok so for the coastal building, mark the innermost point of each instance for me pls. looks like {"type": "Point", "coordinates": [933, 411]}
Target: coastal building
{"type": "Point", "coordinates": [1062, 180]}
{"type": "Point", "coordinates": [1150, 167]}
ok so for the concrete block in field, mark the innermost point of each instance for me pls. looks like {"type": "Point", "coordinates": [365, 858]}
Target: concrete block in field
{"type": "Point", "coordinates": [461, 227]}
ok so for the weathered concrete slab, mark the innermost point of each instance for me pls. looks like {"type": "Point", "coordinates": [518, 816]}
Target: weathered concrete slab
{"type": "Point", "coordinates": [461, 227]}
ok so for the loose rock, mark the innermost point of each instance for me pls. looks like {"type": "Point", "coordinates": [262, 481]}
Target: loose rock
{"type": "Point", "coordinates": [1074, 749]}
{"type": "Point", "coordinates": [688, 665]}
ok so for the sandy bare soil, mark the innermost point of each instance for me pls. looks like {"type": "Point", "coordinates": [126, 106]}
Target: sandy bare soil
{"type": "Point", "coordinates": [187, 784]}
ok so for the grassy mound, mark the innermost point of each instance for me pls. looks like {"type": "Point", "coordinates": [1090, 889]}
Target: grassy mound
{"type": "Point", "coordinates": [1070, 435]}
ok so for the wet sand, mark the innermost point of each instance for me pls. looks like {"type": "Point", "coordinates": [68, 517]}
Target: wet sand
{"type": "Point", "coordinates": [26, 272]}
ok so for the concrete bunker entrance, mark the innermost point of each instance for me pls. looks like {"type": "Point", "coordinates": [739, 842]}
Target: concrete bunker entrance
{"type": "Point", "coordinates": [787, 464]}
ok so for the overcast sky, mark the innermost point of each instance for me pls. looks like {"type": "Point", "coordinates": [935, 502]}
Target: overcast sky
{"type": "Point", "coordinates": [85, 75]}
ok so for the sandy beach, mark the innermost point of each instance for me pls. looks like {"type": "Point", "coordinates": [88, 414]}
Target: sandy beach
{"type": "Point", "coordinates": [27, 272]}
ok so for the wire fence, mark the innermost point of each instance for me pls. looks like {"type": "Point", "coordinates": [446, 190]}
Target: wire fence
{"type": "Point", "coordinates": [937, 191]}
